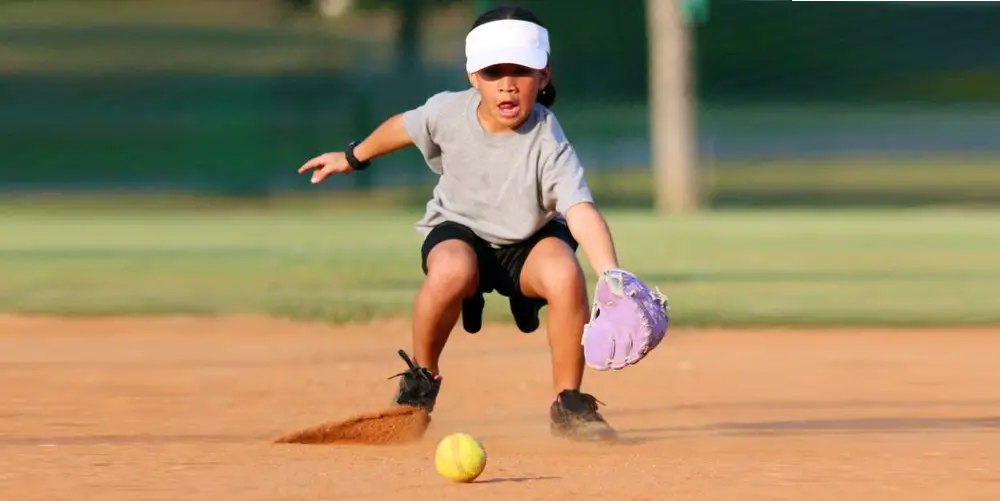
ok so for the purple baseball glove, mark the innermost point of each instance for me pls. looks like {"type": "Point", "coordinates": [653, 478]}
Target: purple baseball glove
{"type": "Point", "coordinates": [627, 321]}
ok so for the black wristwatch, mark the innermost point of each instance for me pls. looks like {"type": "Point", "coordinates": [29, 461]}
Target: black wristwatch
{"type": "Point", "coordinates": [353, 160]}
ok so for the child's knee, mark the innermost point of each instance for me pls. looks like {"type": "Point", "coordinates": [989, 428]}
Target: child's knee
{"type": "Point", "coordinates": [563, 281]}
{"type": "Point", "coordinates": [453, 270]}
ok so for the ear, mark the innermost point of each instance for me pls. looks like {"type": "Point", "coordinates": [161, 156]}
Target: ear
{"type": "Point", "coordinates": [545, 76]}
{"type": "Point", "coordinates": [473, 80]}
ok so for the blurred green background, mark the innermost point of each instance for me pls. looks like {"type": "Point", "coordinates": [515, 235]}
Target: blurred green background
{"type": "Point", "coordinates": [877, 103]}
{"type": "Point", "coordinates": [148, 153]}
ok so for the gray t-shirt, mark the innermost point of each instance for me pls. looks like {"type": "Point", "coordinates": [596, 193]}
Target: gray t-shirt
{"type": "Point", "coordinates": [504, 187]}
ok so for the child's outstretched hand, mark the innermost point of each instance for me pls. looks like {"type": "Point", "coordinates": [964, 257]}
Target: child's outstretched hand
{"type": "Point", "coordinates": [325, 165]}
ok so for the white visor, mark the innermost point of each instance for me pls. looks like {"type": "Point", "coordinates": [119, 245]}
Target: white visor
{"type": "Point", "coordinates": [507, 41]}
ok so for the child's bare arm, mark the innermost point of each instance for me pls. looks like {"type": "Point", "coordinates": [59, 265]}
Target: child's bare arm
{"type": "Point", "coordinates": [591, 231]}
{"type": "Point", "coordinates": [565, 190]}
{"type": "Point", "coordinates": [388, 137]}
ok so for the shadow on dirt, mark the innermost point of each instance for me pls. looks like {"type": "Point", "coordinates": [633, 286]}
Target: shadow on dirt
{"type": "Point", "coordinates": [812, 427]}
{"type": "Point", "coordinates": [799, 404]}
{"type": "Point", "coordinates": [514, 480]}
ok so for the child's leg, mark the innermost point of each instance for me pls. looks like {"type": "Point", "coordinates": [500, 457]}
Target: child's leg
{"type": "Point", "coordinates": [452, 268]}
{"type": "Point", "coordinates": [552, 272]}
{"type": "Point", "coordinates": [452, 274]}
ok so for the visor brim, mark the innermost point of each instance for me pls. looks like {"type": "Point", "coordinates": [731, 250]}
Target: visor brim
{"type": "Point", "coordinates": [531, 58]}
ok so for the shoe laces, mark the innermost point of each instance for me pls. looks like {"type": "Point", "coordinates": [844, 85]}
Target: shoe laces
{"type": "Point", "coordinates": [415, 372]}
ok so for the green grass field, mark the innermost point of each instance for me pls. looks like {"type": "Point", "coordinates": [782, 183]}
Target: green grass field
{"type": "Point", "coordinates": [916, 267]}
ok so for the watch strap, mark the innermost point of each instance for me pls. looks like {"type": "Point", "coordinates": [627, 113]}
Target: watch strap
{"type": "Point", "coordinates": [353, 160]}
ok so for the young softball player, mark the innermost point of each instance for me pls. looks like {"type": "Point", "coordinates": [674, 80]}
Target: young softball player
{"type": "Point", "coordinates": [509, 209]}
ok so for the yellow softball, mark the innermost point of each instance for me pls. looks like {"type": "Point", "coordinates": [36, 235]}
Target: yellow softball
{"type": "Point", "coordinates": [460, 457]}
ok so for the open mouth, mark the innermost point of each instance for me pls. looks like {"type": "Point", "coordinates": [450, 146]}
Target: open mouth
{"type": "Point", "coordinates": [508, 109]}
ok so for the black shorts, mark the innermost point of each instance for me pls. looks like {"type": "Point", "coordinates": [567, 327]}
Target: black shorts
{"type": "Point", "coordinates": [500, 267]}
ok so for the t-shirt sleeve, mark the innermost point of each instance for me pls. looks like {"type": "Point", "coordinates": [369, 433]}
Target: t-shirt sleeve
{"type": "Point", "coordinates": [563, 182]}
{"type": "Point", "coordinates": [422, 125]}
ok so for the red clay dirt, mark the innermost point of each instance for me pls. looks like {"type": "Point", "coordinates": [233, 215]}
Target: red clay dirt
{"type": "Point", "coordinates": [188, 408]}
{"type": "Point", "coordinates": [397, 424]}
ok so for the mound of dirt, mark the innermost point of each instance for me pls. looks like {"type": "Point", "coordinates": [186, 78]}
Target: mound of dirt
{"type": "Point", "coordinates": [396, 425]}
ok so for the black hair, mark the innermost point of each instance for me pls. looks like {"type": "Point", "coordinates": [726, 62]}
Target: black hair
{"type": "Point", "coordinates": [547, 95]}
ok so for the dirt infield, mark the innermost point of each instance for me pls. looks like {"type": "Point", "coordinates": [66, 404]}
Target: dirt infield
{"type": "Point", "coordinates": [186, 408]}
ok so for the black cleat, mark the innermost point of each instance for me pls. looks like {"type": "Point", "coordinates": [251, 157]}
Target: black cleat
{"type": "Point", "coordinates": [574, 416]}
{"type": "Point", "coordinates": [525, 311]}
{"type": "Point", "coordinates": [417, 386]}
{"type": "Point", "coordinates": [472, 313]}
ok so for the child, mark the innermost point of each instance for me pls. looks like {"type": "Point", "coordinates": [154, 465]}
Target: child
{"type": "Point", "coordinates": [509, 209]}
